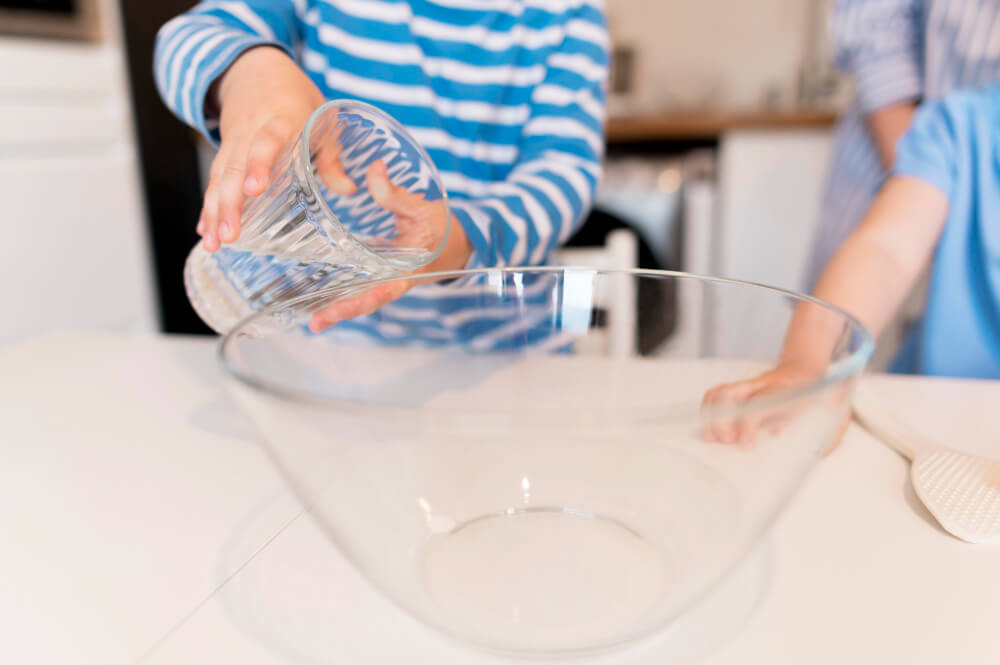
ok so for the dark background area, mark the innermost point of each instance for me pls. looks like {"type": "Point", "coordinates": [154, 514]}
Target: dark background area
{"type": "Point", "coordinates": [67, 7]}
{"type": "Point", "coordinates": [169, 157]}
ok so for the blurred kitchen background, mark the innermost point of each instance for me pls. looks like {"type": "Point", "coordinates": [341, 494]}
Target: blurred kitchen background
{"type": "Point", "coordinates": [721, 117]}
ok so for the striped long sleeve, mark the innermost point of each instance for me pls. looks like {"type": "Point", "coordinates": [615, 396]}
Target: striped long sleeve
{"type": "Point", "coordinates": [507, 96]}
{"type": "Point", "coordinates": [880, 43]}
{"type": "Point", "coordinates": [520, 220]}
{"type": "Point", "coordinates": [195, 48]}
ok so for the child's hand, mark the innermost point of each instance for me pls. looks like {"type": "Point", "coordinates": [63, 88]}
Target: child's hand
{"type": "Point", "coordinates": [744, 430]}
{"type": "Point", "coordinates": [264, 100]}
{"type": "Point", "coordinates": [420, 223]}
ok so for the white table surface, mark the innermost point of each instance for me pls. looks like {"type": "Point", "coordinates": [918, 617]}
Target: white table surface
{"type": "Point", "coordinates": [140, 522]}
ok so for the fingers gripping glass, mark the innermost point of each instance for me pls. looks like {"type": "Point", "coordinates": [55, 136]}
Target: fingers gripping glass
{"type": "Point", "coordinates": [335, 212]}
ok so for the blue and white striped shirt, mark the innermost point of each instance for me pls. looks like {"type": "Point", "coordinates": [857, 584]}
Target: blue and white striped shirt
{"type": "Point", "coordinates": [896, 50]}
{"type": "Point", "coordinates": [506, 96]}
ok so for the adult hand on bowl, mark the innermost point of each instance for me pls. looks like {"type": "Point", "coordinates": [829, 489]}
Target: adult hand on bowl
{"type": "Point", "coordinates": [419, 223]}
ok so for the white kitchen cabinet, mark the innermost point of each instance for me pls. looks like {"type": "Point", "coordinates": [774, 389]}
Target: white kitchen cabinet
{"type": "Point", "coordinates": [770, 188]}
{"type": "Point", "coordinates": [75, 251]}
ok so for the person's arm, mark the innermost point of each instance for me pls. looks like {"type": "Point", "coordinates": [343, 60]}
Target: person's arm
{"type": "Point", "coordinates": [227, 69]}
{"type": "Point", "coordinates": [880, 45]}
{"type": "Point", "coordinates": [868, 277]}
{"type": "Point", "coordinates": [872, 272]}
{"type": "Point", "coordinates": [195, 49]}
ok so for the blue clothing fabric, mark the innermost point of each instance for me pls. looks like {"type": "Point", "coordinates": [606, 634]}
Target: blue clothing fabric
{"type": "Point", "coordinates": [896, 51]}
{"type": "Point", "coordinates": [506, 96]}
{"type": "Point", "coordinates": [954, 145]}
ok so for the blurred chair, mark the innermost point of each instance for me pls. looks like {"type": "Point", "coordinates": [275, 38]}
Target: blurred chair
{"type": "Point", "coordinates": [616, 310]}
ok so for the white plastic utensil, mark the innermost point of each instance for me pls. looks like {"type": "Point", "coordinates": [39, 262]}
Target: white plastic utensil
{"type": "Point", "coordinates": [961, 490]}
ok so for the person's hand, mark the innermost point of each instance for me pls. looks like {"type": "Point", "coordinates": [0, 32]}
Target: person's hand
{"type": "Point", "coordinates": [419, 223]}
{"type": "Point", "coordinates": [264, 101]}
{"type": "Point", "coordinates": [744, 430]}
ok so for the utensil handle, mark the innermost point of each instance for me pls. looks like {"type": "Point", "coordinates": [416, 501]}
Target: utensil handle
{"type": "Point", "coordinates": [887, 427]}
{"type": "Point", "coordinates": [896, 436]}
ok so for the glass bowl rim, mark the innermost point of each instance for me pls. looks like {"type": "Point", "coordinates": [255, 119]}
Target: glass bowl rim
{"type": "Point", "coordinates": [837, 372]}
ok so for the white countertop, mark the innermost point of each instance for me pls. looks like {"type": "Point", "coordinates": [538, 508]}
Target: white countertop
{"type": "Point", "coordinates": [140, 522]}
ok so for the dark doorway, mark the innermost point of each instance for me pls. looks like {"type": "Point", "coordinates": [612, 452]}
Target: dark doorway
{"type": "Point", "coordinates": [169, 158]}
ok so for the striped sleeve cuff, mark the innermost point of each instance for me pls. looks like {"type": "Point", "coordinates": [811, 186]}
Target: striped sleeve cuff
{"type": "Point", "coordinates": [476, 225]}
{"type": "Point", "coordinates": [201, 69]}
{"type": "Point", "coordinates": [887, 80]}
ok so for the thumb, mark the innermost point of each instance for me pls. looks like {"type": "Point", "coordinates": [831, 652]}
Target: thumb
{"type": "Point", "coordinates": [387, 195]}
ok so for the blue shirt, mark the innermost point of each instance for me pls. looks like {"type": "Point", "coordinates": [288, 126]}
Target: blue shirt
{"type": "Point", "coordinates": [896, 51]}
{"type": "Point", "coordinates": [506, 96]}
{"type": "Point", "coordinates": [954, 145]}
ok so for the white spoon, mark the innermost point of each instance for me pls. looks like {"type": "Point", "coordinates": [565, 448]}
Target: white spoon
{"type": "Point", "coordinates": [962, 491]}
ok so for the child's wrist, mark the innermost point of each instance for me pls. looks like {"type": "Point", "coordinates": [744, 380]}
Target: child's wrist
{"type": "Point", "coordinates": [250, 61]}
{"type": "Point", "coordinates": [458, 251]}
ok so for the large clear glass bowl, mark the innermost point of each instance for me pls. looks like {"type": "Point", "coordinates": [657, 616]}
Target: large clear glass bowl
{"type": "Point", "coordinates": [516, 485]}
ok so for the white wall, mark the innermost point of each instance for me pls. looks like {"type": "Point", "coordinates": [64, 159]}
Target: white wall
{"type": "Point", "coordinates": [75, 251]}
{"type": "Point", "coordinates": [715, 52]}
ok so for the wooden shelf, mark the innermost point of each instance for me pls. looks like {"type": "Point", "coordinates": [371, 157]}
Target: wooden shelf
{"type": "Point", "coordinates": [710, 124]}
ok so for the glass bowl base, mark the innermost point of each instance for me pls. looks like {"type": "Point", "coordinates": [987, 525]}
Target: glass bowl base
{"type": "Point", "coordinates": [544, 577]}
